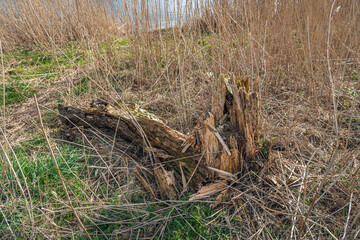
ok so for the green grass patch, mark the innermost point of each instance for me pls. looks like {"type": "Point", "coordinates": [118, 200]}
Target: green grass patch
{"type": "Point", "coordinates": [28, 71]}
{"type": "Point", "coordinates": [15, 92]}
{"type": "Point", "coordinates": [40, 172]}
{"type": "Point", "coordinates": [183, 220]}
{"type": "Point", "coordinates": [29, 64]}
{"type": "Point", "coordinates": [40, 175]}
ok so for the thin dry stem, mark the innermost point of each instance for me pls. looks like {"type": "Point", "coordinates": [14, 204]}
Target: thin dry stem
{"type": "Point", "coordinates": [4, 88]}
{"type": "Point", "coordinates": [58, 169]}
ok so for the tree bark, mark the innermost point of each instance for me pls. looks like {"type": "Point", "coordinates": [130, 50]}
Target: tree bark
{"type": "Point", "coordinates": [223, 144]}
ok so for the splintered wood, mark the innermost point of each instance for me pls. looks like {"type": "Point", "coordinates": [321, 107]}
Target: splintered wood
{"type": "Point", "coordinates": [228, 136]}
{"type": "Point", "coordinates": [222, 145]}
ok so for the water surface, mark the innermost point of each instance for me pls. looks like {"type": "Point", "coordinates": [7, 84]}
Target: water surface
{"type": "Point", "coordinates": [161, 13]}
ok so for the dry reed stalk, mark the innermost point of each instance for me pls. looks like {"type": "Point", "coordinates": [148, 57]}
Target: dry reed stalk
{"type": "Point", "coordinates": [7, 223]}
{"type": "Point", "coordinates": [4, 88]}
{"type": "Point", "coordinates": [320, 188]}
{"type": "Point", "coordinates": [58, 169]}
{"type": "Point", "coordinates": [330, 71]}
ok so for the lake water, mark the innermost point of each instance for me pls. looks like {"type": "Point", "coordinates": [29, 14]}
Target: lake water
{"type": "Point", "coordinates": [162, 13]}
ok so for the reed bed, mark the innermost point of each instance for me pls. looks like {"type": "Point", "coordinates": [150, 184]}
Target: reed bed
{"type": "Point", "coordinates": [57, 22]}
{"type": "Point", "coordinates": [303, 61]}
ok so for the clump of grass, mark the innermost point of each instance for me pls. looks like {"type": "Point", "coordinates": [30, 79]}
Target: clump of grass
{"type": "Point", "coordinates": [80, 88]}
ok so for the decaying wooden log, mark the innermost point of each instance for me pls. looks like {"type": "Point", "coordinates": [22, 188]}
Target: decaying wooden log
{"type": "Point", "coordinates": [138, 126]}
{"type": "Point", "coordinates": [222, 145]}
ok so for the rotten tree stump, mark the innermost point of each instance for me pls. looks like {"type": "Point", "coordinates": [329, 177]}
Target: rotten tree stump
{"type": "Point", "coordinates": [223, 144]}
{"type": "Point", "coordinates": [229, 135]}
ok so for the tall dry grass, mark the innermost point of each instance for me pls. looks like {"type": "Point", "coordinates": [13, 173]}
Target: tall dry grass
{"type": "Point", "coordinates": [281, 47]}
{"type": "Point", "coordinates": [37, 22]}
{"type": "Point", "coordinates": [303, 60]}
